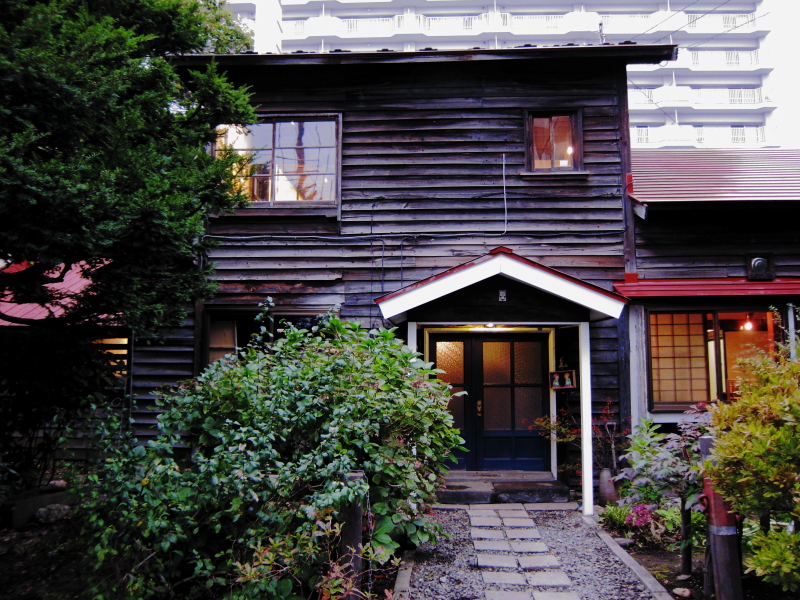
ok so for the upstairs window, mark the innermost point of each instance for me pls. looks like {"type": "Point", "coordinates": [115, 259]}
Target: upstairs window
{"type": "Point", "coordinates": [553, 142]}
{"type": "Point", "coordinates": [293, 160]}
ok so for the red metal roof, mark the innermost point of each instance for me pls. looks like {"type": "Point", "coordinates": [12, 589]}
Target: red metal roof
{"type": "Point", "coordinates": [74, 281]}
{"type": "Point", "coordinates": [696, 175]}
{"type": "Point", "coordinates": [732, 286]}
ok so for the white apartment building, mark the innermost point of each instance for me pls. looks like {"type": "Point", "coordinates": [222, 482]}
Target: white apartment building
{"type": "Point", "coordinates": [733, 86]}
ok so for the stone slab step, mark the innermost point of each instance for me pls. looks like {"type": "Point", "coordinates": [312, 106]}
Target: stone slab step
{"type": "Point", "coordinates": [531, 491]}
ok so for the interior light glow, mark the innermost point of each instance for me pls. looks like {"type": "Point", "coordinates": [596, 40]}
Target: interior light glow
{"type": "Point", "coordinates": [570, 150]}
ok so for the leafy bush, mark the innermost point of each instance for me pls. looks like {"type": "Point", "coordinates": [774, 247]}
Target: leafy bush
{"type": "Point", "coordinates": [757, 452]}
{"type": "Point", "coordinates": [273, 433]}
{"type": "Point", "coordinates": [663, 465]}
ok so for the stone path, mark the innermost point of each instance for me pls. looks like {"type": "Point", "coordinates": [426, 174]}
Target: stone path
{"type": "Point", "coordinates": [514, 563]}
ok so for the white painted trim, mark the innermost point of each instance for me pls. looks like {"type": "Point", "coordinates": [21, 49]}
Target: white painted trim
{"type": "Point", "coordinates": [587, 460]}
{"type": "Point", "coordinates": [411, 336]}
{"type": "Point", "coordinates": [508, 267]}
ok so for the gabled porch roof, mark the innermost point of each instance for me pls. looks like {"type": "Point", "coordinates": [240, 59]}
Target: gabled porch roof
{"type": "Point", "coordinates": [501, 261]}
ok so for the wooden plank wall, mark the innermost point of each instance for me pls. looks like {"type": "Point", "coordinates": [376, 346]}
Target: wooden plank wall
{"type": "Point", "coordinates": [702, 244]}
{"type": "Point", "coordinates": [422, 191]}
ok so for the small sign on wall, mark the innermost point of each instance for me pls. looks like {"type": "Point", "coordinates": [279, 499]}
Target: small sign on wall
{"type": "Point", "coordinates": [563, 380]}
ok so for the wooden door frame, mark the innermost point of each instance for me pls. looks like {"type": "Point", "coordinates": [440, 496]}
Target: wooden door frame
{"type": "Point", "coordinates": [584, 377]}
{"type": "Point", "coordinates": [516, 328]}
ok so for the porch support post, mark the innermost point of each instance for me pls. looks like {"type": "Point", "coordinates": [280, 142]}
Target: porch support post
{"type": "Point", "coordinates": [587, 460]}
{"type": "Point", "coordinates": [411, 335]}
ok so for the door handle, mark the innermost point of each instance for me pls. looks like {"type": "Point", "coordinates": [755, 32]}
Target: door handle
{"type": "Point", "coordinates": [480, 408]}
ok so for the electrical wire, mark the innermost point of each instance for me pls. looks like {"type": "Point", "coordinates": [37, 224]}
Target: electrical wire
{"type": "Point", "coordinates": [727, 31]}
{"type": "Point", "coordinates": [695, 21]}
{"type": "Point", "coordinates": [674, 13]}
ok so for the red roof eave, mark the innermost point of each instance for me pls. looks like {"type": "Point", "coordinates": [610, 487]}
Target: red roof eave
{"type": "Point", "coordinates": [676, 288]}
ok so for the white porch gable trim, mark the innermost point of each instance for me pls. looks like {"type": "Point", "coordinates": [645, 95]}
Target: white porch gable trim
{"type": "Point", "coordinates": [502, 262]}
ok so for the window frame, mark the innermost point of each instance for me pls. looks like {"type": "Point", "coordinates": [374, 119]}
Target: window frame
{"type": "Point", "coordinates": [236, 312]}
{"type": "Point", "coordinates": [576, 130]}
{"type": "Point", "coordinates": [326, 208]}
{"type": "Point", "coordinates": [672, 407]}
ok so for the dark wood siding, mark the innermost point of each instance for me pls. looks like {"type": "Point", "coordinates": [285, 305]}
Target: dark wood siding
{"type": "Point", "coordinates": [688, 244]}
{"type": "Point", "coordinates": [422, 190]}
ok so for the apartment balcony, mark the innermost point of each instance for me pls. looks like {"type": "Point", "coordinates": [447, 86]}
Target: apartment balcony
{"type": "Point", "coordinates": [496, 23]}
{"type": "Point", "coordinates": [714, 99]}
{"type": "Point", "coordinates": [689, 136]}
{"type": "Point", "coordinates": [712, 62]}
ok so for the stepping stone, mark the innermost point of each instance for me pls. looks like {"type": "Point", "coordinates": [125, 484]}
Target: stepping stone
{"type": "Point", "coordinates": [485, 522]}
{"type": "Point", "coordinates": [476, 512]}
{"type": "Point", "coordinates": [493, 577]}
{"type": "Point", "coordinates": [526, 547]}
{"type": "Point", "coordinates": [543, 561]}
{"type": "Point", "coordinates": [497, 561]}
{"type": "Point", "coordinates": [555, 596]}
{"type": "Point", "coordinates": [523, 534]}
{"type": "Point", "coordinates": [549, 579]}
{"type": "Point", "coordinates": [552, 506]}
{"type": "Point", "coordinates": [520, 514]}
{"type": "Point", "coordinates": [496, 545]}
{"type": "Point", "coordinates": [498, 595]}
{"type": "Point", "coordinates": [514, 522]}
{"type": "Point", "coordinates": [500, 506]}
{"type": "Point", "coordinates": [487, 534]}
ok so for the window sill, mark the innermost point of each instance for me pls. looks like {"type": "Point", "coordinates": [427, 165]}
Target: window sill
{"type": "Point", "coordinates": [327, 210]}
{"type": "Point", "coordinates": [565, 174]}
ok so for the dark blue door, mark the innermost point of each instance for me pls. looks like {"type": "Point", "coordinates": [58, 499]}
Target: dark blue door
{"type": "Point", "coordinates": [505, 377]}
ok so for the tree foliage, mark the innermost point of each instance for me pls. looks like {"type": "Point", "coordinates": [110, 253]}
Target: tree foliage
{"type": "Point", "coordinates": [274, 432]}
{"type": "Point", "coordinates": [103, 155]}
{"type": "Point", "coordinates": [757, 453]}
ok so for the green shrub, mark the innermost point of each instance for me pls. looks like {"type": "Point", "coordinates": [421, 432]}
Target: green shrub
{"type": "Point", "coordinates": [273, 433]}
{"type": "Point", "coordinates": [757, 452]}
{"type": "Point", "coordinates": [614, 517]}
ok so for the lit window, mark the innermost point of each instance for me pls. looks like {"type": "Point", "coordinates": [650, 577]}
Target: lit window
{"type": "Point", "coordinates": [292, 160]}
{"type": "Point", "coordinates": [693, 356]}
{"type": "Point", "coordinates": [553, 142]}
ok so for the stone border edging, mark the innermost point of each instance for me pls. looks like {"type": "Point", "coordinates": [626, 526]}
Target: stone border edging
{"type": "Point", "coordinates": [651, 583]}
{"type": "Point", "coordinates": [402, 583]}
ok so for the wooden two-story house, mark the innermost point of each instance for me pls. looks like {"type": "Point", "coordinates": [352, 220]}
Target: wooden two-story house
{"type": "Point", "coordinates": [474, 199]}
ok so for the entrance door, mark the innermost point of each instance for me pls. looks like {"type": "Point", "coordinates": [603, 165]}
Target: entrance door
{"type": "Point", "coordinates": [505, 377]}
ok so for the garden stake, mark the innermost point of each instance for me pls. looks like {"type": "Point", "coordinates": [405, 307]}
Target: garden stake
{"type": "Point", "coordinates": [723, 537]}
{"type": "Point", "coordinates": [350, 544]}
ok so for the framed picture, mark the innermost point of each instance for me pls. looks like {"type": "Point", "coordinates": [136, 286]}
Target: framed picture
{"type": "Point", "coordinates": [563, 380]}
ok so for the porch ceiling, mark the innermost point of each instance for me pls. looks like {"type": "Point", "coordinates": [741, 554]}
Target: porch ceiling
{"type": "Point", "coordinates": [501, 261]}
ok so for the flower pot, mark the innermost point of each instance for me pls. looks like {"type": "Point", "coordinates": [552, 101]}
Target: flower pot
{"type": "Point", "coordinates": [606, 490]}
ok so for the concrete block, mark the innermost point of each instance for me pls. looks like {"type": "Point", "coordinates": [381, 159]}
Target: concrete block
{"type": "Point", "coordinates": [487, 534]}
{"type": "Point", "coordinates": [549, 579]}
{"type": "Point", "coordinates": [492, 545]}
{"type": "Point", "coordinates": [485, 522]}
{"type": "Point", "coordinates": [555, 596]}
{"type": "Point", "coordinates": [516, 514]}
{"type": "Point", "coordinates": [524, 534]}
{"type": "Point", "coordinates": [500, 578]}
{"type": "Point", "coordinates": [529, 547]}
{"type": "Point", "coordinates": [514, 522]}
{"type": "Point", "coordinates": [499, 595]}
{"type": "Point", "coordinates": [541, 561]}
{"type": "Point", "coordinates": [497, 561]}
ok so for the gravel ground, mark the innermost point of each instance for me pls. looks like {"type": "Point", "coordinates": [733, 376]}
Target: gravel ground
{"type": "Point", "coordinates": [447, 571]}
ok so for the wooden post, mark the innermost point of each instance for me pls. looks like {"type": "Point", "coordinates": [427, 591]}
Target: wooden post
{"type": "Point", "coordinates": [350, 542]}
{"type": "Point", "coordinates": [723, 537]}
